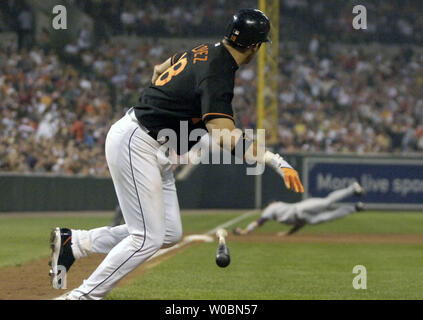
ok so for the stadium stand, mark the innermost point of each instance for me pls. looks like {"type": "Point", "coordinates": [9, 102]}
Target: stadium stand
{"type": "Point", "coordinates": [56, 106]}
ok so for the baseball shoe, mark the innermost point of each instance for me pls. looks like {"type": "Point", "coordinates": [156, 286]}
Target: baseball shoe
{"type": "Point", "coordinates": [61, 256]}
{"type": "Point", "coordinates": [359, 206]}
{"type": "Point", "coordinates": [358, 189]}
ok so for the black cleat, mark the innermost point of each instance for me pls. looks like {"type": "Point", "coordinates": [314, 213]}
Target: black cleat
{"type": "Point", "coordinates": [61, 256]}
{"type": "Point", "coordinates": [359, 206]}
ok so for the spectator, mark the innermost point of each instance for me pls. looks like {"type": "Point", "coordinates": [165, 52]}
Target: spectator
{"type": "Point", "coordinates": [78, 130]}
{"type": "Point", "coordinates": [55, 117]}
{"type": "Point", "coordinates": [25, 27]}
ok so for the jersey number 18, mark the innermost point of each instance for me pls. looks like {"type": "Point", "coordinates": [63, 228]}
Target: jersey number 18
{"type": "Point", "coordinates": [173, 71]}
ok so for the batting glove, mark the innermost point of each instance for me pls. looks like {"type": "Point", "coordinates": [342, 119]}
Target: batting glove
{"type": "Point", "coordinates": [289, 174]}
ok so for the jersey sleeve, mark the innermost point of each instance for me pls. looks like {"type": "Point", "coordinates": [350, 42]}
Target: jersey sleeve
{"type": "Point", "coordinates": [216, 98]}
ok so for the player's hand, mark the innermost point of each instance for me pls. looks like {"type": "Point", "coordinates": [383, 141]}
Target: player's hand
{"type": "Point", "coordinates": [289, 174]}
{"type": "Point", "coordinates": [292, 180]}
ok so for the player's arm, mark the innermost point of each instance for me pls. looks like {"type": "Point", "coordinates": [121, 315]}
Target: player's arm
{"type": "Point", "coordinates": [229, 136]}
{"type": "Point", "coordinates": [160, 68]}
{"type": "Point", "coordinates": [216, 104]}
{"type": "Point", "coordinates": [293, 230]}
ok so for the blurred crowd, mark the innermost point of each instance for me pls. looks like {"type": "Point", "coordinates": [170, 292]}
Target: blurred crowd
{"type": "Point", "coordinates": [55, 117]}
{"type": "Point", "coordinates": [388, 21]}
{"type": "Point", "coordinates": [52, 119]}
{"type": "Point", "coordinates": [56, 107]}
{"type": "Point", "coordinates": [344, 102]}
{"type": "Point", "coordinates": [351, 102]}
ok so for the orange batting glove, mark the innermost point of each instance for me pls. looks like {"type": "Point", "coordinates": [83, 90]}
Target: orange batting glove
{"type": "Point", "coordinates": [292, 180]}
{"type": "Point", "coordinates": [289, 174]}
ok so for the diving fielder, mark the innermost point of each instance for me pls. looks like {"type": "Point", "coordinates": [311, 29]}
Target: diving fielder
{"type": "Point", "coordinates": [311, 211]}
{"type": "Point", "coordinates": [195, 86]}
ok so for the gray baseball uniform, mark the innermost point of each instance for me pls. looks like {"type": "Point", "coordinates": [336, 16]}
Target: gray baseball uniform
{"type": "Point", "coordinates": [310, 211]}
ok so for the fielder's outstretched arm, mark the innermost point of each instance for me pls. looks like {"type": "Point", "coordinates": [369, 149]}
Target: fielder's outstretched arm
{"type": "Point", "coordinates": [251, 227]}
{"type": "Point", "coordinates": [229, 136]}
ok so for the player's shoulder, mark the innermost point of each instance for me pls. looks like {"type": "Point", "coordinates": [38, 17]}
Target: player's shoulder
{"type": "Point", "coordinates": [211, 58]}
{"type": "Point", "coordinates": [216, 51]}
{"type": "Point", "coordinates": [209, 46]}
{"type": "Point", "coordinates": [206, 52]}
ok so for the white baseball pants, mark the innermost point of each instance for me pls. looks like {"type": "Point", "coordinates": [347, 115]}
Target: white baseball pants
{"type": "Point", "coordinates": [145, 187]}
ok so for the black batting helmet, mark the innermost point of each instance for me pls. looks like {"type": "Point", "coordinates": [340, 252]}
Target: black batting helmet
{"type": "Point", "coordinates": [247, 28]}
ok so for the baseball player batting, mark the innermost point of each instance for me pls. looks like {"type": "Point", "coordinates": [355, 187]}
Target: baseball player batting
{"type": "Point", "coordinates": [195, 87]}
{"type": "Point", "coordinates": [311, 211]}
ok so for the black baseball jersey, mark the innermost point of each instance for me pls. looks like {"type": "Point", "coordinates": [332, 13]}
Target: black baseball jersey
{"type": "Point", "coordinates": [196, 88]}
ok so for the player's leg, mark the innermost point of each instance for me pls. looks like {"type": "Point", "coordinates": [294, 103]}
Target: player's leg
{"type": "Point", "coordinates": [328, 215]}
{"type": "Point", "coordinates": [69, 245]}
{"type": "Point", "coordinates": [297, 226]}
{"type": "Point", "coordinates": [173, 232]}
{"type": "Point", "coordinates": [319, 204]}
{"type": "Point", "coordinates": [117, 218]}
{"type": "Point", "coordinates": [132, 159]}
{"type": "Point", "coordinates": [338, 195]}
{"type": "Point", "coordinates": [98, 240]}
{"type": "Point", "coordinates": [102, 240]}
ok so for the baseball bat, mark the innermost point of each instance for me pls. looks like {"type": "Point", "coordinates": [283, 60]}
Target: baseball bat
{"type": "Point", "coordinates": [223, 257]}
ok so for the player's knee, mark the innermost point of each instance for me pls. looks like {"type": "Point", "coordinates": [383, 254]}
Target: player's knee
{"type": "Point", "coordinates": [137, 240]}
{"type": "Point", "coordinates": [157, 240]}
{"type": "Point", "coordinates": [175, 236]}
{"type": "Point", "coordinates": [172, 236]}
{"type": "Point", "coordinates": [154, 241]}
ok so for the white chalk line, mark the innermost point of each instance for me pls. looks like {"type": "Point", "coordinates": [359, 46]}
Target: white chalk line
{"type": "Point", "coordinates": [188, 239]}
